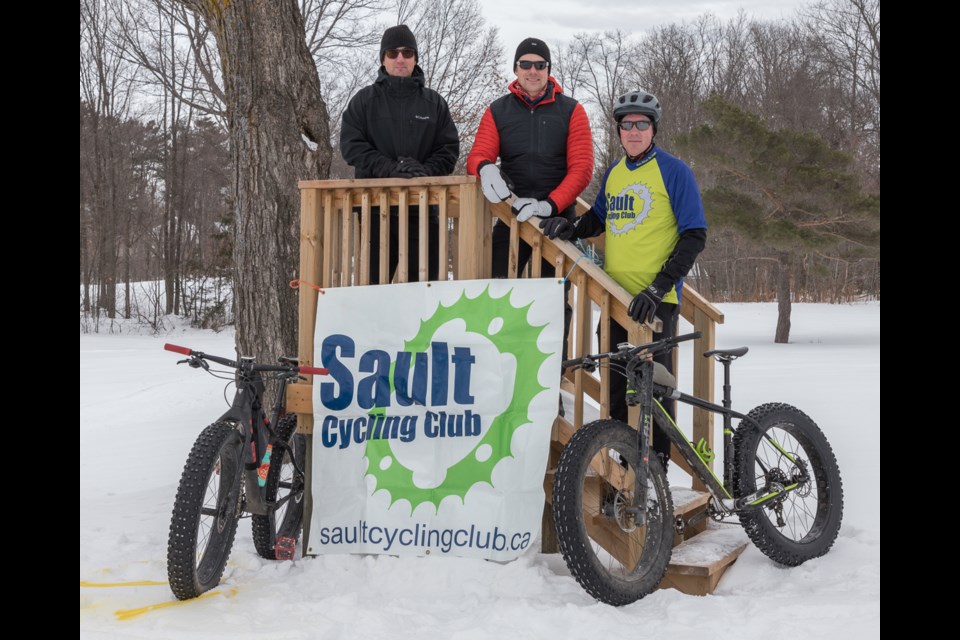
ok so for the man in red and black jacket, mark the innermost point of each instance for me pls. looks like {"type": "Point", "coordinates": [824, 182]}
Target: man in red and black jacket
{"type": "Point", "coordinates": [543, 140]}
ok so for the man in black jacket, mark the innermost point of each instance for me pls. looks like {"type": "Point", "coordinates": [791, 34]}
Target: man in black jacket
{"type": "Point", "coordinates": [398, 128]}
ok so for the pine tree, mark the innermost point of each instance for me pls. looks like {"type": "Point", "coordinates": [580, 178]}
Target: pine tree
{"type": "Point", "coordinates": [784, 190]}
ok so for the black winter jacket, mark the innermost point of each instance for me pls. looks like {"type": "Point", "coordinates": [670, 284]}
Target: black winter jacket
{"type": "Point", "coordinates": [397, 117]}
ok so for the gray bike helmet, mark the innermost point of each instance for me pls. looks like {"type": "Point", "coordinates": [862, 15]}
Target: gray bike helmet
{"type": "Point", "coordinates": [638, 101]}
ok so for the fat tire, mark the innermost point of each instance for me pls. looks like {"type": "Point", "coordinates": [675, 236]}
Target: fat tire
{"type": "Point", "coordinates": [812, 513]}
{"type": "Point", "coordinates": [289, 524]}
{"type": "Point", "coordinates": [595, 574]}
{"type": "Point", "coordinates": [199, 543]}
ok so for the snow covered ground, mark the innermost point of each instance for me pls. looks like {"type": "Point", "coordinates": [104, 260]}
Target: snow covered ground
{"type": "Point", "coordinates": [139, 415]}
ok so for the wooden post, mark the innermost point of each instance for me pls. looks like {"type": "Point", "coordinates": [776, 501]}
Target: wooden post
{"type": "Point", "coordinates": [536, 257]}
{"type": "Point", "coordinates": [311, 260]}
{"type": "Point", "coordinates": [423, 252]}
{"type": "Point", "coordinates": [486, 231]}
{"type": "Point", "coordinates": [346, 223]}
{"type": "Point", "coordinates": [403, 251]}
{"type": "Point", "coordinates": [384, 237]}
{"type": "Point", "coordinates": [310, 266]}
{"type": "Point", "coordinates": [365, 238]}
{"type": "Point", "coordinates": [442, 248]}
{"type": "Point", "coordinates": [472, 221]}
{"type": "Point", "coordinates": [329, 240]}
{"type": "Point", "coordinates": [548, 528]}
{"type": "Point", "coordinates": [582, 330]}
{"type": "Point", "coordinates": [603, 346]}
{"type": "Point", "coordinates": [703, 381]}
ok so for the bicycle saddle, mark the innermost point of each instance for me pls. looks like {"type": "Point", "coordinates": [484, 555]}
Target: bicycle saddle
{"type": "Point", "coordinates": [727, 354]}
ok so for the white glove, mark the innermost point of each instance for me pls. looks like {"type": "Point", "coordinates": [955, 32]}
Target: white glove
{"type": "Point", "coordinates": [526, 208]}
{"type": "Point", "coordinates": [494, 183]}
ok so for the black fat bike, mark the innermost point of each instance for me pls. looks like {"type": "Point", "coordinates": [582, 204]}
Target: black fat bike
{"type": "Point", "coordinates": [780, 478]}
{"type": "Point", "coordinates": [244, 463]}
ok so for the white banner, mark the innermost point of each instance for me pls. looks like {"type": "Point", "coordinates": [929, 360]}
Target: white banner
{"type": "Point", "coordinates": [432, 429]}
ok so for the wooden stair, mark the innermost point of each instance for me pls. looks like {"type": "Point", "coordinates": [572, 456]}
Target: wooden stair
{"type": "Point", "coordinates": [705, 550]}
{"type": "Point", "coordinates": [698, 563]}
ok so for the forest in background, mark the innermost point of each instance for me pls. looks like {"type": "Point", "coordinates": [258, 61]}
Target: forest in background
{"type": "Point", "coordinates": [779, 119]}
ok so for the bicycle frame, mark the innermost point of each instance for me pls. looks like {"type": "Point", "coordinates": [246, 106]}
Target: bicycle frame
{"type": "Point", "coordinates": [247, 413]}
{"type": "Point", "coordinates": [698, 457]}
{"type": "Point", "coordinates": [259, 440]}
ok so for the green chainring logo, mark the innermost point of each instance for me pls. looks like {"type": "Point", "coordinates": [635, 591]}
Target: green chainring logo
{"type": "Point", "coordinates": [507, 328]}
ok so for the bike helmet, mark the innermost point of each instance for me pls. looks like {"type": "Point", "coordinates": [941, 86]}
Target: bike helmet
{"type": "Point", "coordinates": [638, 101]}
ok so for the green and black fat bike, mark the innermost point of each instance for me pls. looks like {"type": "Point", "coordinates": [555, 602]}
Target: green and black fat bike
{"type": "Point", "coordinates": [780, 478]}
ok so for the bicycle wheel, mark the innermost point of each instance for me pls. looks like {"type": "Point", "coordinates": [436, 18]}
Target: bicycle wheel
{"type": "Point", "coordinates": [283, 481]}
{"type": "Point", "coordinates": [788, 449]}
{"type": "Point", "coordinates": [205, 514]}
{"type": "Point", "coordinates": [613, 558]}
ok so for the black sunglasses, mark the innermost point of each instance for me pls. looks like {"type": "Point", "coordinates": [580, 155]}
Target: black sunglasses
{"type": "Point", "coordinates": [641, 125]}
{"type": "Point", "coordinates": [539, 65]}
{"type": "Point", "coordinates": [403, 51]}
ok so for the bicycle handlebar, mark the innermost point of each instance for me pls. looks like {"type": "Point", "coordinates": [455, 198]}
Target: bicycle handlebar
{"type": "Point", "coordinates": [287, 367]}
{"type": "Point", "coordinates": [655, 348]}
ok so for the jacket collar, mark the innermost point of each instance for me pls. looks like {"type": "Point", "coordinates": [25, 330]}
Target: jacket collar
{"type": "Point", "coordinates": [553, 88]}
{"type": "Point", "coordinates": [402, 86]}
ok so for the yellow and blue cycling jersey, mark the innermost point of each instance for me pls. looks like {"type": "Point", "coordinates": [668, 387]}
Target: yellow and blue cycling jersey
{"type": "Point", "coordinates": [645, 207]}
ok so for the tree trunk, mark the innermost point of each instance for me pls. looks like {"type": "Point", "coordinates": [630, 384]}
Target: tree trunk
{"type": "Point", "coordinates": [127, 240]}
{"type": "Point", "coordinates": [783, 298]}
{"type": "Point", "coordinates": [279, 134]}
{"type": "Point", "coordinates": [84, 260]}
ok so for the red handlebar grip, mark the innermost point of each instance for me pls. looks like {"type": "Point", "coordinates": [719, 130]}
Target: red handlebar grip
{"type": "Point", "coordinates": [314, 371]}
{"type": "Point", "coordinates": [177, 349]}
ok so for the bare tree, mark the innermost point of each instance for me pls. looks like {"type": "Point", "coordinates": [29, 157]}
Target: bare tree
{"type": "Point", "coordinates": [846, 39]}
{"type": "Point", "coordinates": [602, 65]}
{"type": "Point", "coordinates": [106, 81]}
{"type": "Point", "coordinates": [569, 61]}
{"type": "Point", "coordinates": [335, 28]}
{"type": "Point", "coordinates": [460, 58]}
{"type": "Point", "coordinates": [177, 52]}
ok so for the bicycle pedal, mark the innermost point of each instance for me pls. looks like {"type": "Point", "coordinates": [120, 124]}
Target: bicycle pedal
{"type": "Point", "coordinates": [285, 548]}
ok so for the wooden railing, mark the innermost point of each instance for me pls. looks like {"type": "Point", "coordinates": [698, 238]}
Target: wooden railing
{"type": "Point", "coordinates": [335, 249]}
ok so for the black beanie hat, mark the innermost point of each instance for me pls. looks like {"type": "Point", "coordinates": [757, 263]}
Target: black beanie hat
{"type": "Point", "coordinates": [398, 36]}
{"type": "Point", "coordinates": [532, 45]}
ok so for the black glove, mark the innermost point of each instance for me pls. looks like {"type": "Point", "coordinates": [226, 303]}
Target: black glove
{"type": "Point", "coordinates": [643, 307]}
{"type": "Point", "coordinates": [557, 227]}
{"type": "Point", "coordinates": [398, 172]}
{"type": "Point", "coordinates": [408, 168]}
{"type": "Point", "coordinates": [413, 166]}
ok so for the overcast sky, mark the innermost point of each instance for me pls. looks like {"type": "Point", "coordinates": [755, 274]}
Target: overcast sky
{"type": "Point", "coordinates": [557, 21]}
